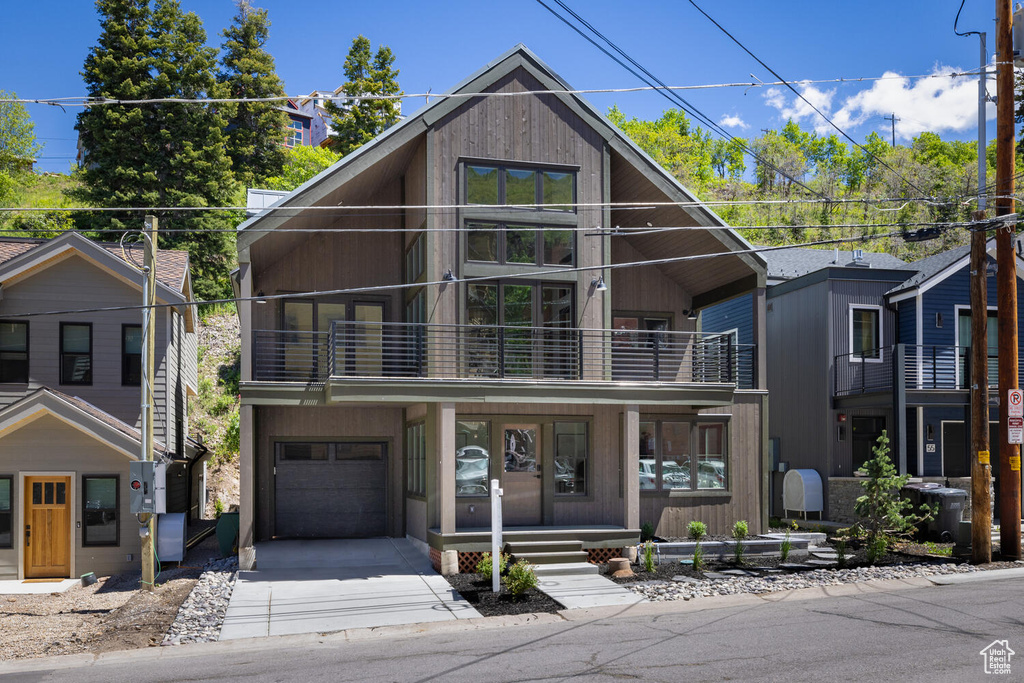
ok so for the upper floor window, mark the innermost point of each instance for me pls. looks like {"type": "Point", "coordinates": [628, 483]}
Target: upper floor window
{"type": "Point", "coordinates": [526, 244]}
{"type": "Point", "coordinates": [491, 185]}
{"type": "Point", "coordinates": [866, 333]}
{"type": "Point", "coordinates": [294, 134]}
{"type": "Point", "coordinates": [75, 353]}
{"type": "Point", "coordinates": [13, 352]}
{"type": "Point", "coordinates": [131, 355]}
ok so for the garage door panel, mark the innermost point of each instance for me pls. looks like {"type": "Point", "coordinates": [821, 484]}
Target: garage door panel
{"type": "Point", "coordinates": [336, 498]}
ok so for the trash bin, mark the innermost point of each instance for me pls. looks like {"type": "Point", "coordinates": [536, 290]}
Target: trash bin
{"type": "Point", "coordinates": [227, 532]}
{"type": "Point", "coordinates": [951, 504]}
{"type": "Point", "coordinates": [916, 492]}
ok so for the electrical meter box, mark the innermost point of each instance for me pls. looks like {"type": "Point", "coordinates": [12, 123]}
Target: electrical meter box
{"type": "Point", "coordinates": [147, 487]}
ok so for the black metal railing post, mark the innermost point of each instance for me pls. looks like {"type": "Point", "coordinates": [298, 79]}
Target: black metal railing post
{"type": "Point", "coordinates": [501, 352]}
{"type": "Point", "coordinates": [657, 357]}
{"type": "Point", "coordinates": [579, 355]}
{"type": "Point", "coordinates": [420, 348]}
{"type": "Point", "coordinates": [728, 364]}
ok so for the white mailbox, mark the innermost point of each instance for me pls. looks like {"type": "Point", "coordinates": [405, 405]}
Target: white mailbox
{"type": "Point", "coordinates": [802, 492]}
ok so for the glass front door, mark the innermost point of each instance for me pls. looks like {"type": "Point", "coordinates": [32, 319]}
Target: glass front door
{"type": "Point", "coordinates": [521, 482]}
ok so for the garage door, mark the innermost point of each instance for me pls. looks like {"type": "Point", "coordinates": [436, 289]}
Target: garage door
{"type": "Point", "coordinates": [330, 490]}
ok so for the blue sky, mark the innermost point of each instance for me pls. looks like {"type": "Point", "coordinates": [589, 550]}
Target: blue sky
{"type": "Point", "coordinates": [44, 43]}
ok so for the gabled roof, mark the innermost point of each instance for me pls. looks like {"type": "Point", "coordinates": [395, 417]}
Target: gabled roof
{"type": "Point", "coordinates": [20, 258]}
{"type": "Point", "coordinates": [408, 129]}
{"type": "Point", "coordinates": [787, 264]}
{"type": "Point", "coordinates": [76, 413]}
{"type": "Point", "coordinates": [934, 269]}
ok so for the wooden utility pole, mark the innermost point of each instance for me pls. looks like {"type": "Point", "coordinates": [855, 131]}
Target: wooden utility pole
{"type": "Point", "coordinates": [892, 118]}
{"type": "Point", "coordinates": [1006, 279]}
{"type": "Point", "coordinates": [981, 468]}
{"type": "Point", "coordinates": [148, 379]}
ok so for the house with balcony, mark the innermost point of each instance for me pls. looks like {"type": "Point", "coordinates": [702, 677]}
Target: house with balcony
{"type": "Point", "coordinates": [70, 402]}
{"type": "Point", "coordinates": [859, 343]}
{"type": "Point", "coordinates": [451, 304]}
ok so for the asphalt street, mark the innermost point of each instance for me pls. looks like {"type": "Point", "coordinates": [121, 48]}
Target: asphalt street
{"type": "Point", "coordinates": [897, 632]}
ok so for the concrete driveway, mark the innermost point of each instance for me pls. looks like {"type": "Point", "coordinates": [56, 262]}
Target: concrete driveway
{"type": "Point", "coordinates": [320, 586]}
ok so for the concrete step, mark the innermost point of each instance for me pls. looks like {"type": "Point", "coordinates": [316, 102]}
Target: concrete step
{"type": "Point", "coordinates": [518, 547]}
{"type": "Point", "coordinates": [566, 569]}
{"type": "Point", "coordinates": [552, 557]}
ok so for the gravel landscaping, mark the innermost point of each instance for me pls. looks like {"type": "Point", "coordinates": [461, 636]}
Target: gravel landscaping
{"type": "Point", "coordinates": [201, 615]}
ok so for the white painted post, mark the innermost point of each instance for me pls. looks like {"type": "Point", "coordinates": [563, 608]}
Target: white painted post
{"type": "Point", "coordinates": [495, 536]}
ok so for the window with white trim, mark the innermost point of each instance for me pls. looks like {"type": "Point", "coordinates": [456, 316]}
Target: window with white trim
{"type": "Point", "coordinates": [865, 333]}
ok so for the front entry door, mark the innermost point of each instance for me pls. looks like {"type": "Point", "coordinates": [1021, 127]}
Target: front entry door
{"type": "Point", "coordinates": [521, 482]}
{"type": "Point", "coordinates": [47, 527]}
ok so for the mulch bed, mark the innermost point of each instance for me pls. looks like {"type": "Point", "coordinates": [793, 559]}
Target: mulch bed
{"type": "Point", "coordinates": [477, 592]}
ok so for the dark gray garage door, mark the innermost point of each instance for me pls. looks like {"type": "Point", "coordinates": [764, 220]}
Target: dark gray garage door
{"type": "Point", "coordinates": [331, 490]}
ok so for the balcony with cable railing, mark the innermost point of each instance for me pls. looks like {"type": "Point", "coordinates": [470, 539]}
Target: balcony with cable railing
{"type": "Point", "coordinates": [437, 352]}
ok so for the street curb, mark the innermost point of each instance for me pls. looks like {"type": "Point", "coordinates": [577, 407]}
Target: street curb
{"type": "Point", "coordinates": [643, 609]}
{"type": "Point", "coordinates": [974, 577]}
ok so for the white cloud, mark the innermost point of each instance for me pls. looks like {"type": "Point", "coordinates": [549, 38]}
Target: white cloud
{"type": "Point", "coordinates": [940, 105]}
{"type": "Point", "coordinates": [733, 121]}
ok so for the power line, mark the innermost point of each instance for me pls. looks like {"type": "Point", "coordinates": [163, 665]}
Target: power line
{"type": "Point", "coordinates": [470, 280]}
{"type": "Point", "coordinates": [806, 101]}
{"type": "Point", "coordinates": [86, 101]}
{"type": "Point", "coordinates": [673, 97]}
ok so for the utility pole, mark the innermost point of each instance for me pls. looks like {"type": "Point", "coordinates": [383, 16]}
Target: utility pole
{"type": "Point", "coordinates": [981, 467]}
{"type": "Point", "coordinates": [893, 119]}
{"type": "Point", "coordinates": [148, 379]}
{"type": "Point", "coordinates": [1006, 279]}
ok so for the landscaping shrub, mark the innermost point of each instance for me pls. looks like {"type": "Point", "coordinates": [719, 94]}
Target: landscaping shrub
{"type": "Point", "coordinates": [785, 547]}
{"type": "Point", "coordinates": [649, 556]}
{"type": "Point", "coordinates": [520, 578]}
{"type": "Point", "coordinates": [739, 532]}
{"type": "Point", "coordinates": [646, 532]}
{"type": "Point", "coordinates": [841, 552]}
{"type": "Point", "coordinates": [485, 567]}
{"type": "Point", "coordinates": [697, 530]}
{"type": "Point", "coordinates": [698, 558]}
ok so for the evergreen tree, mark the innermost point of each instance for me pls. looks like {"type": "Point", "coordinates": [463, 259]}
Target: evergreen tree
{"type": "Point", "coordinates": [356, 122]}
{"type": "Point", "coordinates": [255, 129]}
{"type": "Point", "coordinates": [164, 154]}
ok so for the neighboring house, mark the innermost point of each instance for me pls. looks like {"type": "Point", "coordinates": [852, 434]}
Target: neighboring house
{"type": "Point", "coordinates": [70, 396]}
{"type": "Point", "coordinates": [299, 127]}
{"type": "Point", "coordinates": [516, 350]}
{"type": "Point", "coordinates": [313, 104]}
{"type": "Point", "coordinates": [859, 343]}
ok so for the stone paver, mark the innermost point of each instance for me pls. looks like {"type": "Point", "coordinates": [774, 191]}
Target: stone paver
{"type": "Point", "coordinates": [36, 588]}
{"type": "Point", "coordinates": [586, 590]}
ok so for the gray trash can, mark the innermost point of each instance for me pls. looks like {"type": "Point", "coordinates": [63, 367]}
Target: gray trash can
{"type": "Point", "coordinates": [951, 504]}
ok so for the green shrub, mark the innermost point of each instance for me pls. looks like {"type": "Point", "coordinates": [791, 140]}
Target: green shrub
{"type": "Point", "coordinates": [785, 547]}
{"type": "Point", "coordinates": [646, 532]}
{"type": "Point", "coordinates": [649, 556]}
{"type": "Point", "coordinates": [697, 530]}
{"type": "Point", "coordinates": [218, 508]}
{"type": "Point", "coordinates": [841, 552]}
{"type": "Point", "coordinates": [698, 558]}
{"type": "Point", "coordinates": [739, 532]}
{"type": "Point", "coordinates": [485, 567]}
{"type": "Point", "coordinates": [520, 578]}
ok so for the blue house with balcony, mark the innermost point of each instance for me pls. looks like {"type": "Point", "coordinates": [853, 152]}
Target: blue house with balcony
{"type": "Point", "coordinates": [858, 343]}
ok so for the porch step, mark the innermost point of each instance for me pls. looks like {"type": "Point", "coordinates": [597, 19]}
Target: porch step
{"type": "Point", "coordinates": [566, 569]}
{"type": "Point", "coordinates": [519, 547]}
{"type": "Point", "coordinates": [540, 559]}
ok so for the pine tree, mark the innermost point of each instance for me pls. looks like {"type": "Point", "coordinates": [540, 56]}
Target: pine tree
{"type": "Point", "coordinates": [356, 122]}
{"type": "Point", "coordinates": [164, 154]}
{"type": "Point", "coordinates": [255, 129]}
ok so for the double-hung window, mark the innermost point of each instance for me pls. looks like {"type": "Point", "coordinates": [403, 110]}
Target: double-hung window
{"type": "Point", "coordinates": [13, 352]}
{"type": "Point", "coordinates": [865, 333]}
{"type": "Point", "coordinates": [6, 512]}
{"type": "Point", "coordinates": [75, 353]}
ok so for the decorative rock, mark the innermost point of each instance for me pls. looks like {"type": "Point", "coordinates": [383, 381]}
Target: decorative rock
{"type": "Point", "coordinates": [201, 616]}
{"type": "Point", "coordinates": [685, 579]}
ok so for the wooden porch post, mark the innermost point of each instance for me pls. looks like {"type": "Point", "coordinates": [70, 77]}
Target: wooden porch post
{"type": "Point", "coordinates": [246, 490]}
{"type": "Point", "coordinates": [631, 466]}
{"type": "Point", "coordinates": [445, 457]}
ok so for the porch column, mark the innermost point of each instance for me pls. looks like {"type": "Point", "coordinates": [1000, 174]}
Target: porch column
{"type": "Point", "coordinates": [445, 454]}
{"type": "Point", "coordinates": [631, 466]}
{"type": "Point", "coordinates": [899, 406]}
{"type": "Point", "coordinates": [245, 319]}
{"type": "Point", "coordinates": [760, 359]}
{"type": "Point", "coordinates": [246, 490]}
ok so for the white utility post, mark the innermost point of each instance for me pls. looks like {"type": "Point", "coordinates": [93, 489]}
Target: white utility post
{"type": "Point", "coordinates": [495, 536]}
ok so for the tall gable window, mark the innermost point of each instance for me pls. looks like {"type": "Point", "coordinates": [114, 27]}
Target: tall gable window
{"type": "Point", "coordinates": [13, 352]}
{"type": "Point", "coordinates": [491, 185]}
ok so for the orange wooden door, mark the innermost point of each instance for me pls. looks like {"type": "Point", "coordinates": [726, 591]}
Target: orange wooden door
{"type": "Point", "coordinates": [47, 527]}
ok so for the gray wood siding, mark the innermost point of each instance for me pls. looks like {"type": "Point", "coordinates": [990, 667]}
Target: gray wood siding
{"type": "Point", "coordinates": [75, 283]}
{"type": "Point", "coordinates": [646, 289]}
{"type": "Point", "coordinates": [846, 293]}
{"type": "Point", "coordinates": [670, 514]}
{"type": "Point", "coordinates": [50, 445]}
{"type": "Point", "coordinates": [327, 423]}
{"type": "Point", "coordinates": [799, 376]}
{"type": "Point", "coordinates": [532, 129]}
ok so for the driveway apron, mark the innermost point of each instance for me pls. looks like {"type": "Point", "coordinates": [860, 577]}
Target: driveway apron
{"type": "Point", "coordinates": [322, 586]}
